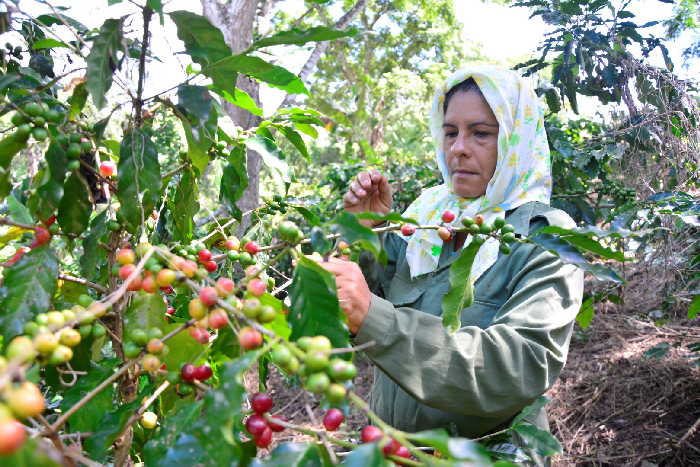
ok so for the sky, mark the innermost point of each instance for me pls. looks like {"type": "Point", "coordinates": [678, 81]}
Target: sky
{"type": "Point", "coordinates": [491, 25]}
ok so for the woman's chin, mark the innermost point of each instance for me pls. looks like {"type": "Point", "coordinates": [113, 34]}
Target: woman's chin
{"type": "Point", "coordinates": [464, 190]}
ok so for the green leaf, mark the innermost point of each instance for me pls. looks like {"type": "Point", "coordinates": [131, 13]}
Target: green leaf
{"type": "Point", "coordinates": [299, 37]}
{"type": "Point", "coordinates": [530, 409]}
{"type": "Point", "coordinates": [292, 455]}
{"type": "Point", "coordinates": [694, 307]}
{"type": "Point", "coordinates": [585, 313]}
{"type": "Point", "coordinates": [272, 157]}
{"type": "Point", "coordinates": [279, 326]}
{"type": "Point", "coordinates": [241, 99]}
{"type": "Point", "coordinates": [102, 60]}
{"type": "Point", "coordinates": [307, 214]}
{"type": "Point", "coordinates": [394, 217]}
{"type": "Point", "coordinates": [315, 309]}
{"type": "Point", "coordinates": [436, 438]}
{"type": "Point", "coordinates": [461, 293]}
{"type": "Point", "coordinates": [18, 212]}
{"type": "Point", "coordinates": [276, 76]}
{"type": "Point", "coordinates": [30, 285]}
{"type": "Point", "coordinates": [110, 425]}
{"type": "Point", "coordinates": [87, 418]}
{"type": "Point", "coordinates": [9, 147]}
{"type": "Point", "coordinates": [352, 231]}
{"type": "Point", "coordinates": [466, 449]}
{"type": "Point", "coordinates": [75, 207]}
{"type": "Point", "coordinates": [48, 43]}
{"type": "Point", "coordinates": [584, 242]}
{"type": "Point", "coordinates": [173, 444]}
{"type": "Point", "coordinates": [658, 351]}
{"type": "Point", "coordinates": [185, 206]}
{"type": "Point", "coordinates": [58, 19]}
{"type": "Point", "coordinates": [296, 140]}
{"type": "Point", "coordinates": [366, 455]}
{"type": "Point", "coordinates": [182, 347]}
{"type": "Point", "coordinates": [571, 255]}
{"type": "Point", "coordinates": [541, 441]}
{"type": "Point", "coordinates": [234, 180]}
{"type": "Point", "coordinates": [93, 254]}
{"type": "Point", "coordinates": [199, 119]}
{"type": "Point", "coordinates": [77, 100]}
{"type": "Point", "coordinates": [319, 241]}
{"type": "Point", "coordinates": [139, 178]}
{"type": "Point", "coordinates": [145, 311]}
{"type": "Point", "coordinates": [222, 410]}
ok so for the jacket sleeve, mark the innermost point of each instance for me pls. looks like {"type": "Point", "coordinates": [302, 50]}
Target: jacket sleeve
{"type": "Point", "coordinates": [491, 372]}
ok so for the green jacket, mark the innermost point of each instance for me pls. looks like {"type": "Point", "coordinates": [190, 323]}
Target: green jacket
{"type": "Point", "coordinates": [510, 349]}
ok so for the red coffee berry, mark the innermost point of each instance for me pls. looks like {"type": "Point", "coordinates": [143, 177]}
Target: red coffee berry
{"type": "Point", "coordinates": [391, 447]}
{"type": "Point", "coordinates": [448, 216]}
{"type": "Point", "coordinates": [370, 434]}
{"type": "Point", "coordinates": [202, 372]}
{"type": "Point", "coordinates": [274, 426]}
{"type": "Point", "coordinates": [12, 436]}
{"type": "Point", "coordinates": [149, 285]}
{"type": "Point", "coordinates": [408, 229]}
{"type": "Point", "coordinates": [126, 270]}
{"type": "Point", "coordinates": [187, 372]}
{"type": "Point", "coordinates": [208, 296]}
{"type": "Point", "coordinates": [135, 284]}
{"type": "Point", "coordinates": [211, 266]}
{"type": "Point", "coordinates": [403, 452]}
{"type": "Point", "coordinates": [249, 338]}
{"type": "Point", "coordinates": [49, 222]}
{"type": "Point", "coordinates": [218, 319]}
{"type": "Point", "coordinates": [170, 311]}
{"type": "Point", "coordinates": [252, 248]}
{"type": "Point", "coordinates": [333, 419]}
{"type": "Point", "coordinates": [255, 424]}
{"type": "Point", "coordinates": [261, 402]}
{"type": "Point", "coordinates": [257, 286]}
{"type": "Point", "coordinates": [41, 237]}
{"type": "Point", "coordinates": [204, 255]}
{"type": "Point", "coordinates": [199, 334]}
{"type": "Point", "coordinates": [107, 168]}
{"type": "Point", "coordinates": [225, 286]}
{"type": "Point", "coordinates": [264, 439]}
{"type": "Point", "coordinates": [444, 233]}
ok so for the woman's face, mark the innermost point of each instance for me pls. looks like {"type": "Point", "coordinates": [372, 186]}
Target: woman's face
{"type": "Point", "coordinates": [470, 143]}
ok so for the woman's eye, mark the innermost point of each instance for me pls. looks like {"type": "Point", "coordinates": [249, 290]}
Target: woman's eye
{"type": "Point", "coordinates": [450, 134]}
{"type": "Point", "coordinates": [482, 134]}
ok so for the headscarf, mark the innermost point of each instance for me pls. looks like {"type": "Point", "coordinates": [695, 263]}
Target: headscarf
{"type": "Point", "coordinates": [523, 169]}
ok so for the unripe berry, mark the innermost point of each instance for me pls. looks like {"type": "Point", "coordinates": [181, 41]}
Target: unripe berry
{"type": "Point", "coordinates": [149, 420]}
{"type": "Point", "coordinates": [12, 436]}
{"type": "Point", "coordinates": [25, 400]}
{"type": "Point", "coordinates": [408, 229]}
{"type": "Point", "coordinates": [333, 419]}
{"type": "Point", "coordinates": [135, 284]}
{"type": "Point", "coordinates": [218, 319]}
{"type": "Point", "coordinates": [126, 256]}
{"type": "Point", "coordinates": [126, 270]}
{"type": "Point", "coordinates": [197, 309]}
{"type": "Point", "coordinates": [148, 284]}
{"type": "Point", "coordinates": [70, 337]}
{"type": "Point", "coordinates": [224, 286]}
{"type": "Point", "coordinates": [150, 363]}
{"type": "Point", "coordinates": [165, 277]}
{"type": "Point", "coordinates": [256, 287]}
{"type": "Point", "coordinates": [444, 233]}
{"type": "Point", "coordinates": [232, 244]}
{"type": "Point", "coordinates": [21, 349]}
{"type": "Point", "coordinates": [317, 383]}
{"type": "Point", "coordinates": [498, 223]}
{"type": "Point", "coordinates": [479, 220]}
{"type": "Point", "coordinates": [448, 216]}
{"type": "Point", "coordinates": [336, 393]}
{"type": "Point", "coordinates": [155, 346]}
{"type": "Point", "coordinates": [45, 343]}
{"type": "Point", "coordinates": [267, 314]}
{"type": "Point", "coordinates": [249, 338]}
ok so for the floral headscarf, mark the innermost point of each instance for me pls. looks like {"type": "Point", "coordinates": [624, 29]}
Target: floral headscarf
{"type": "Point", "coordinates": [523, 169]}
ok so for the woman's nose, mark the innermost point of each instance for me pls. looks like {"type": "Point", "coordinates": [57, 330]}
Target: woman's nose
{"type": "Point", "coordinates": [459, 146]}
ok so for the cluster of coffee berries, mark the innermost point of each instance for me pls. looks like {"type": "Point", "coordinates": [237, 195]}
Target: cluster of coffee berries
{"type": "Point", "coordinates": [19, 401]}
{"type": "Point", "coordinates": [311, 359]}
{"type": "Point", "coordinates": [138, 339]}
{"type": "Point", "coordinates": [205, 310]}
{"type": "Point", "coordinates": [478, 227]}
{"type": "Point", "coordinates": [242, 250]}
{"type": "Point", "coordinates": [31, 120]}
{"type": "Point", "coordinates": [260, 424]}
{"type": "Point", "coordinates": [50, 337]}
{"type": "Point", "coordinates": [289, 232]}
{"type": "Point", "coordinates": [372, 434]}
{"type": "Point", "coordinates": [276, 204]}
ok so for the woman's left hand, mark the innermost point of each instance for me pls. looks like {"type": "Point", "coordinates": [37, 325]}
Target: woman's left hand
{"type": "Point", "coordinates": [353, 292]}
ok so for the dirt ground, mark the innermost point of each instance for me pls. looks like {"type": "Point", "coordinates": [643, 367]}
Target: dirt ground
{"type": "Point", "coordinates": [610, 407]}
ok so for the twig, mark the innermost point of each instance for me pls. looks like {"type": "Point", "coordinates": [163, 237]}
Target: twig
{"type": "Point", "coordinates": [85, 282]}
{"type": "Point", "coordinates": [138, 104]}
{"type": "Point", "coordinates": [146, 404]}
{"type": "Point", "coordinates": [309, 431]}
{"type": "Point", "coordinates": [6, 221]}
{"type": "Point", "coordinates": [321, 434]}
{"type": "Point", "coordinates": [356, 348]}
{"type": "Point", "coordinates": [174, 171]}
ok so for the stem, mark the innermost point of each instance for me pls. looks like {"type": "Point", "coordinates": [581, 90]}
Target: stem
{"type": "Point", "coordinates": [174, 171]}
{"type": "Point", "coordinates": [138, 104]}
{"type": "Point", "coordinates": [357, 348]}
{"type": "Point", "coordinates": [145, 405]}
{"type": "Point", "coordinates": [80, 280]}
{"type": "Point", "coordinates": [491, 435]}
{"type": "Point", "coordinates": [310, 432]}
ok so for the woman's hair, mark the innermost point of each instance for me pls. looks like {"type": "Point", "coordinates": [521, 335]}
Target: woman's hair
{"type": "Point", "coordinates": [465, 86]}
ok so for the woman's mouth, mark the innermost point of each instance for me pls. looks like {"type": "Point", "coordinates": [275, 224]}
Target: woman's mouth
{"type": "Point", "coordinates": [463, 173]}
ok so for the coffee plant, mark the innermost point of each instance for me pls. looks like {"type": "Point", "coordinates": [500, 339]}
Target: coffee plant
{"type": "Point", "coordinates": [126, 328]}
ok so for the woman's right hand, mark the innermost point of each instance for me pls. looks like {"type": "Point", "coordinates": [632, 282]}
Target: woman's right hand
{"type": "Point", "coordinates": [369, 192]}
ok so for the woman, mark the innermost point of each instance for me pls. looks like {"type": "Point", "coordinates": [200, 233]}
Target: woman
{"type": "Point", "coordinates": [493, 155]}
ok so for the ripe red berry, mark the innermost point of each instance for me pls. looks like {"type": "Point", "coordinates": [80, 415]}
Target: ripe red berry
{"type": "Point", "coordinates": [135, 284]}
{"type": "Point", "coordinates": [49, 222]}
{"type": "Point", "coordinates": [370, 434]}
{"type": "Point", "coordinates": [444, 233]}
{"type": "Point", "coordinates": [249, 338]}
{"type": "Point", "coordinates": [448, 216]}
{"type": "Point", "coordinates": [204, 255]}
{"type": "Point", "coordinates": [201, 335]}
{"type": "Point", "coordinates": [202, 372]}
{"type": "Point", "coordinates": [252, 248]}
{"type": "Point", "coordinates": [149, 285]}
{"type": "Point", "coordinates": [211, 266]}
{"type": "Point", "coordinates": [41, 237]}
{"type": "Point", "coordinates": [261, 402]}
{"type": "Point", "coordinates": [264, 439]}
{"type": "Point", "coordinates": [257, 286]}
{"type": "Point", "coordinates": [255, 424]}
{"type": "Point", "coordinates": [224, 286]}
{"type": "Point", "coordinates": [391, 447]}
{"type": "Point", "coordinates": [274, 426]}
{"type": "Point", "coordinates": [408, 229]}
{"type": "Point", "coordinates": [126, 270]}
{"type": "Point", "coordinates": [232, 243]}
{"type": "Point", "coordinates": [107, 168]}
{"type": "Point", "coordinates": [12, 436]}
{"type": "Point", "coordinates": [333, 419]}
{"type": "Point", "coordinates": [403, 452]}
{"type": "Point", "coordinates": [208, 296]}
{"type": "Point", "coordinates": [218, 319]}
{"type": "Point", "coordinates": [170, 311]}
{"type": "Point", "coordinates": [187, 372]}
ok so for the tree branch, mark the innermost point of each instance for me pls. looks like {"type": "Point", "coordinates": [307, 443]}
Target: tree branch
{"type": "Point", "coordinates": [85, 282]}
{"type": "Point", "coordinates": [138, 105]}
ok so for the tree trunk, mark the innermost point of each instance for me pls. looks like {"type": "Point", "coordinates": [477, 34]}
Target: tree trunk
{"type": "Point", "coordinates": [236, 20]}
